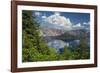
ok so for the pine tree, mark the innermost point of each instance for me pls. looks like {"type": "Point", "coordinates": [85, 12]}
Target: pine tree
{"type": "Point", "coordinates": [34, 47]}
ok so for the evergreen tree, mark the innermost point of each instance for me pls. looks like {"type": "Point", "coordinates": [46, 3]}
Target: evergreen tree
{"type": "Point", "coordinates": [82, 51]}
{"type": "Point", "coordinates": [34, 47]}
{"type": "Point", "coordinates": [67, 54]}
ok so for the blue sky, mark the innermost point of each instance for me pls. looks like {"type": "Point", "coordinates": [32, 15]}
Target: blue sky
{"type": "Point", "coordinates": [63, 20]}
{"type": "Point", "coordinates": [74, 17]}
{"type": "Point", "coordinates": [78, 17]}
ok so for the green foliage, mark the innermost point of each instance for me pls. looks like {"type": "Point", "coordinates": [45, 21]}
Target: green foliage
{"type": "Point", "coordinates": [67, 54]}
{"type": "Point", "coordinates": [82, 51]}
{"type": "Point", "coordinates": [33, 46]}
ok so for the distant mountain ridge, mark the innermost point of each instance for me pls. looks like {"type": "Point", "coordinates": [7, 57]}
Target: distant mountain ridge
{"type": "Point", "coordinates": [57, 32]}
{"type": "Point", "coordinates": [51, 32]}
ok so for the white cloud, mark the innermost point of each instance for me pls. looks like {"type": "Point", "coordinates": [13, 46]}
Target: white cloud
{"type": "Point", "coordinates": [86, 23]}
{"type": "Point", "coordinates": [44, 17]}
{"type": "Point", "coordinates": [57, 19]}
{"type": "Point", "coordinates": [77, 25]}
{"type": "Point", "coordinates": [57, 13]}
{"type": "Point", "coordinates": [37, 13]}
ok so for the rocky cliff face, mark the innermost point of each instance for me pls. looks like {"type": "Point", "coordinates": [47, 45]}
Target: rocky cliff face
{"type": "Point", "coordinates": [51, 32]}
{"type": "Point", "coordinates": [62, 34]}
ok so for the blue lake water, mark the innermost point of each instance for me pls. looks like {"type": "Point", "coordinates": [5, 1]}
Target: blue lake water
{"type": "Point", "coordinates": [59, 44]}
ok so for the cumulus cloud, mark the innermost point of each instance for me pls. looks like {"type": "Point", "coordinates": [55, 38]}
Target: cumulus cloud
{"type": "Point", "coordinates": [77, 25]}
{"type": "Point", "coordinates": [37, 13]}
{"type": "Point", "coordinates": [86, 23]}
{"type": "Point", "coordinates": [57, 19]}
{"type": "Point", "coordinates": [44, 17]}
{"type": "Point", "coordinates": [57, 13]}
